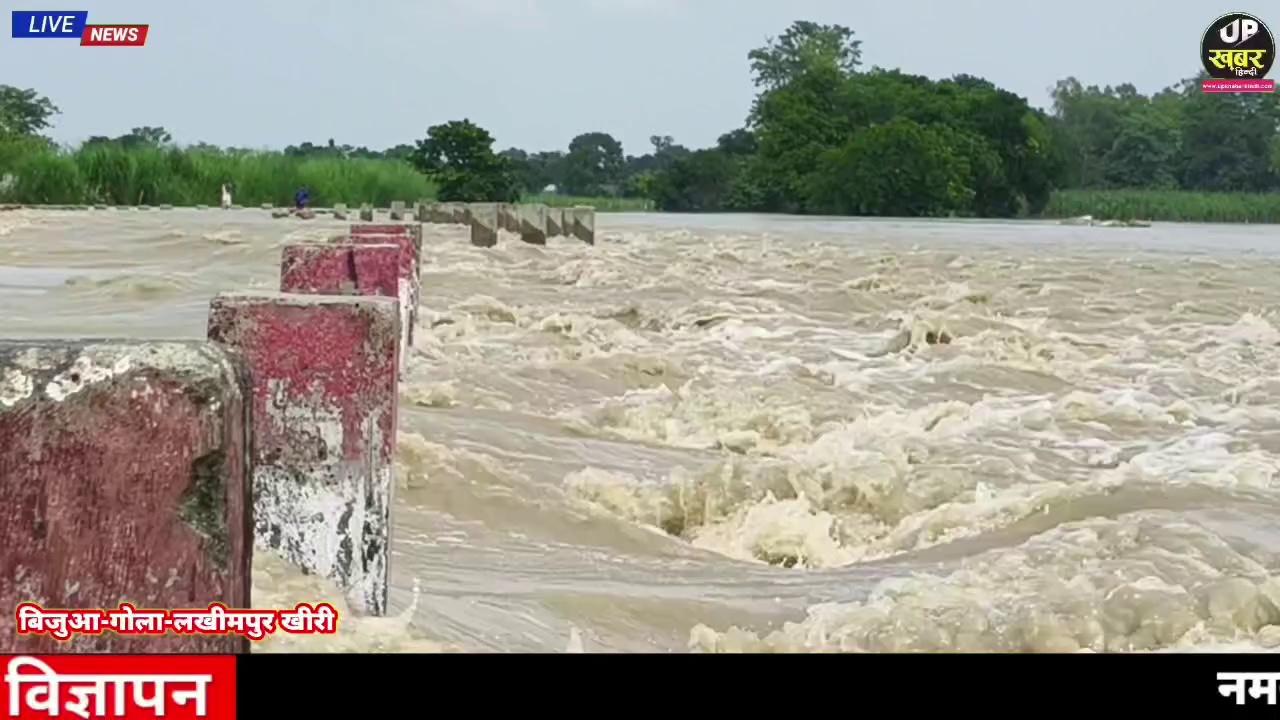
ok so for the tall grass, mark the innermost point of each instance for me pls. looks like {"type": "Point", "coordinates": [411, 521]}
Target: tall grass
{"type": "Point", "coordinates": [601, 204]}
{"type": "Point", "coordinates": [1166, 205]}
{"type": "Point", "coordinates": [157, 176]}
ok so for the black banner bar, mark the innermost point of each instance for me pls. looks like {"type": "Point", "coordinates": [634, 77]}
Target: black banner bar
{"type": "Point", "coordinates": [1088, 686]}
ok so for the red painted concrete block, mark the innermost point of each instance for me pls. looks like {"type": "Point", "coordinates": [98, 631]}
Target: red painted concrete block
{"type": "Point", "coordinates": [349, 269]}
{"type": "Point", "coordinates": [411, 230]}
{"type": "Point", "coordinates": [323, 398]}
{"type": "Point", "coordinates": [123, 478]}
{"type": "Point", "coordinates": [409, 238]}
{"type": "Point", "coordinates": [341, 269]}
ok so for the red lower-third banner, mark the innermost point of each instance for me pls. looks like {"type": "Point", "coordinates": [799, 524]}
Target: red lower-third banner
{"type": "Point", "coordinates": [176, 687]}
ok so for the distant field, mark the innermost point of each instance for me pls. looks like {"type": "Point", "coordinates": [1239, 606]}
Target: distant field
{"type": "Point", "coordinates": [1166, 205]}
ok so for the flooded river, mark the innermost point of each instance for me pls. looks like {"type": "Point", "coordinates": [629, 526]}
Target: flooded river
{"type": "Point", "coordinates": [744, 433]}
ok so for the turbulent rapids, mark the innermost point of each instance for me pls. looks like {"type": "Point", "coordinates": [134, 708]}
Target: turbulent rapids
{"type": "Point", "coordinates": [739, 433]}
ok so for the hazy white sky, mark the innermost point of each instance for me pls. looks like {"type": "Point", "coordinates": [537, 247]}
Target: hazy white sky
{"type": "Point", "coordinates": [268, 73]}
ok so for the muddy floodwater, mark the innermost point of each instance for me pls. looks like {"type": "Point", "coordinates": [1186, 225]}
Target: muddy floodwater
{"type": "Point", "coordinates": [745, 433]}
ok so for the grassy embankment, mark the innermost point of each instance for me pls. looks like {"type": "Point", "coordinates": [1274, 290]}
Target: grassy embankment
{"type": "Point", "coordinates": [1166, 206]}
{"type": "Point", "coordinates": [153, 176]}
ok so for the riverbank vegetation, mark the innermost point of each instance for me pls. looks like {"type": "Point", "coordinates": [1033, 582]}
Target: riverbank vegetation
{"type": "Point", "coordinates": [1167, 205]}
{"type": "Point", "coordinates": [825, 135]}
{"type": "Point", "coordinates": [147, 174]}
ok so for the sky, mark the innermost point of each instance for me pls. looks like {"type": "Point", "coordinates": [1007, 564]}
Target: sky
{"type": "Point", "coordinates": [535, 73]}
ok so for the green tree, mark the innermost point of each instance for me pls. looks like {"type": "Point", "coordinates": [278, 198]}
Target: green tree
{"type": "Point", "coordinates": [593, 165]}
{"type": "Point", "coordinates": [794, 125]}
{"type": "Point", "coordinates": [802, 47]}
{"type": "Point", "coordinates": [741, 142]}
{"type": "Point", "coordinates": [1144, 152]}
{"type": "Point", "coordinates": [458, 156]}
{"type": "Point", "coordinates": [1226, 141]}
{"type": "Point", "coordinates": [402, 151]}
{"type": "Point", "coordinates": [145, 137]}
{"type": "Point", "coordinates": [701, 181]}
{"type": "Point", "coordinates": [24, 112]}
{"type": "Point", "coordinates": [900, 168]}
{"type": "Point", "coordinates": [1091, 119]}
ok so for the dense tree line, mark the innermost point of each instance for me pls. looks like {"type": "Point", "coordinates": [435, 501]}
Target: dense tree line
{"type": "Point", "coordinates": [823, 136]}
{"type": "Point", "coordinates": [826, 135]}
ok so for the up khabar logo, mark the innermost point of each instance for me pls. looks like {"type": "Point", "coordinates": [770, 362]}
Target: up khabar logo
{"type": "Point", "coordinates": [1237, 51]}
{"type": "Point", "coordinates": [74, 24]}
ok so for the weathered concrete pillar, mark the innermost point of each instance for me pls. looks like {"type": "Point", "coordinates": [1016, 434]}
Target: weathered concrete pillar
{"type": "Point", "coordinates": [409, 239]}
{"type": "Point", "coordinates": [555, 222]}
{"type": "Point", "coordinates": [366, 212]}
{"type": "Point", "coordinates": [397, 210]}
{"type": "Point", "coordinates": [323, 392]}
{"type": "Point", "coordinates": [507, 217]}
{"type": "Point", "coordinates": [349, 269]}
{"type": "Point", "coordinates": [533, 224]}
{"type": "Point", "coordinates": [584, 224]}
{"type": "Point", "coordinates": [124, 475]}
{"type": "Point", "coordinates": [484, 224]}
{"type": "Point", "coordinates": [339, 211]}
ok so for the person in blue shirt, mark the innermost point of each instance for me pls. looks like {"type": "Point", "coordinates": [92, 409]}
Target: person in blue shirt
{"type": "Point", "coordinates": [301, 198]}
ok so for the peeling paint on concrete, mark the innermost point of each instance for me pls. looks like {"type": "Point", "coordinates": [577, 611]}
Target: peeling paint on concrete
{"type": "Point", "coordinates": [96, 469]}
{"type": "Point", "coordinates": [83, 373]}
{"type": "Point", "coordinates": [324, 407]}
{"type": "Point", "coordinates": [15, 386]}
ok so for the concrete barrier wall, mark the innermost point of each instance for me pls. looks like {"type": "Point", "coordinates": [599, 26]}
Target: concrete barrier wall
{"type": "Point", "coordinates": [533, 223]}
{"type": "Point", "coordinates": [123, 478]}
{"type": "Point", "coordinates": [576, 222]}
